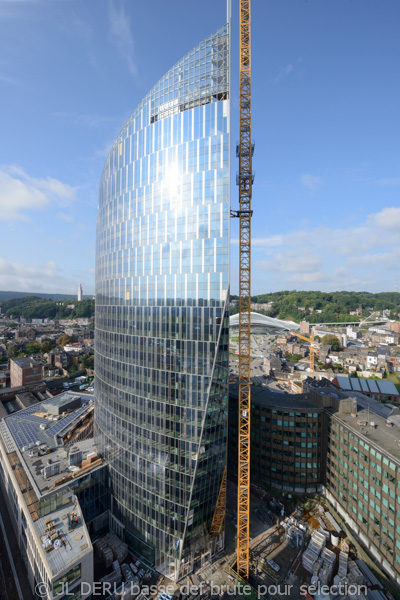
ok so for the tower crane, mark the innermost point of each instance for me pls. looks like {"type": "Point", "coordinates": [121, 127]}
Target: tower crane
{"type": "Point", "coordinates": [313, 345]}
{"type": "Point", "coordinates": [244, 179]}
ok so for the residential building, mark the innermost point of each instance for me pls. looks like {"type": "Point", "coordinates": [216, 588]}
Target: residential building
{"type": "Point", "coordinates": [304, 328]}
{"type": "Point", "coordinates": [271, 364]}
{"type": "Point", "coordinates": [162, 294]}
{"type": "Point", "coordinates": [25, 370]}
{"type": "Point", "coordinates": [353, 333]}
{"type": "Point", "coordinates": [394, 326]}
{"type": "Point", "coordinates": [58, 358]}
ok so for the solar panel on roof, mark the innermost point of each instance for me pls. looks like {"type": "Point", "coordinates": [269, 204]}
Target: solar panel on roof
{"type": "Point", "coordinates": [364, 385]}
{"type": "Point", "coordinates": [387, 387]}
{"type": "Point", "coordinates": [60, 425]}
{"type": "Point", "coordinates": [344, 383]}
{"type": "Point", "coordinates": [372, 386]}
{"type": "Point", "coordinates": [355, 384]}
{"type": "Point", "coordinates": [24, 434]}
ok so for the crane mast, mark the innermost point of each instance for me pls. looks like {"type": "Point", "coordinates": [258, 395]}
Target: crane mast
{"type": "Point", "coordinates": [245, 180]}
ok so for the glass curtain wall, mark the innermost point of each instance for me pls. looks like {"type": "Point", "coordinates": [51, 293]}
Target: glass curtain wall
{"type": "Point", "coordinates": [161, 338]}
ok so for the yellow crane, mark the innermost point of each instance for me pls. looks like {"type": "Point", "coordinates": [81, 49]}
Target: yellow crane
{"type": "Point", "coordinates": [244, 179]}
{"type": "Point", "coordinates": [313, 345]}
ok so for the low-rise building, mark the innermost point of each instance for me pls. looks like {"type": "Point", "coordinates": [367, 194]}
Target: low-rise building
{"type": "Point", "coordinates": [25, 370]}
{"type": "Point", "coordinates": [378, 390]}
{"type": "Point", "coordinates": [272, 364]}
{"type": "Point", "coordinates": [304, 328]}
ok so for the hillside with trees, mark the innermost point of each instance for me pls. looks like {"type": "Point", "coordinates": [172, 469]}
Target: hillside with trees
{"type": "Point", "coordinates": [334, 306]}
{"type": "Point", "coordinates": [49, 296]}
{"type": "Point", "coordinates": [33, 307]}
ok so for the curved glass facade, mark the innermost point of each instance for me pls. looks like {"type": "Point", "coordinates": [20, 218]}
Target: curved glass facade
{"type": "Point", "coordinates": [161, 340]}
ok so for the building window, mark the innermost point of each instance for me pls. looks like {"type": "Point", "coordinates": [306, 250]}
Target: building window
{"type": "Point", "coordinates": [66, 581]}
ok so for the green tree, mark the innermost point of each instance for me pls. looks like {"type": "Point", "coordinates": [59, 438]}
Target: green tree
{"type": "Point", "coordinates": [333, 341]}
{"type": "Point", "coordinates": [63, 340]}
{"type": "Point", "coordinates": [88, 362]}
{"type": "Point", "coordinates": [45, 347]}
{"type": "Point", "coordinates": [32, 348]}
{"type": "Point", "coordinates": [12, 351]}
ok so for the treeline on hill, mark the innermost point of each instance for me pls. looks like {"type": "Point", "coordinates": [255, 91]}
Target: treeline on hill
{"type": "Point", "coordinates": [32, 307]}
{"type": "Point", "coordinates": [335, 306]}
{"type": "Point", "coordinates": [48, 296]}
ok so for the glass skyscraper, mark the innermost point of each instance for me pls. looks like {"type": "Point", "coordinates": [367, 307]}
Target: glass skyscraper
{"type": "Point", "coordinates": [162, 298]}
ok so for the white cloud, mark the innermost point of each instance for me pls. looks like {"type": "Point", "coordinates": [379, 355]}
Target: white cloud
{"type": "Point", "coordinates": [284, 72]}
{"type": "Point", "coordinates": [17, 276]}
{"type": "Point", "coordinates": [291, 261]}
{"type": "Point", "coordinates": [388, 181]}
{"type": "Point", "coordinates": [312, 182]}
{"type": "Point", "coordinates": [90, 121]}
{"type": "Point", "coordinates": [314, 277]}
{"type": "Point", "coordinates": [42, 277]}
{"type": "Point", "coordinates": [85, 32]}
{"type": "Point", "coordinates": [388, 218]}
{"type": "Point", "coordinates": [121, 36]}
{"type": "Point", "coordinates": [65, 217]}
{"type": "Point", "coordinates": [20, 193]}
{"type": "Point", "coordinates": [11, 81]}
{"type": "Point", "coordinates": [273, 240]}
{"type": "Point", "coordinates": [355, 257]}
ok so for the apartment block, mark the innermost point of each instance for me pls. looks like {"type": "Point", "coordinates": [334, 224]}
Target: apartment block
{"type": "Point", "coordinates": [24, 371]}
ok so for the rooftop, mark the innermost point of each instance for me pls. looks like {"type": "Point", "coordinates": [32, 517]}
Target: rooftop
{"type": "Point", "coordinates": [369, 386]}
{"type": "Point", "coordinates": [266, 397]}
{"type": "Point", "coordinates": [269, 323]}
{"type": "Point", "coordinates": [382, 435]}
{"type": "Point", "coordinates": [69, 542]}
{"type": "Point", "coordinates": [37, 435]}
{"type": "Point", "coordinates": [26, 362]}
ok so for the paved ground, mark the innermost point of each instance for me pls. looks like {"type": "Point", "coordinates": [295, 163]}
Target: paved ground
{"type": "Point", "coordinates": [8, 588]}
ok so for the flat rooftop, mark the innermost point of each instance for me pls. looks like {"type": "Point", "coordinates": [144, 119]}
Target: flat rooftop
{"type": "Point", "coordinates": [37, 436]}
{"type": "Point", "coordinates": [271, 399]}
{"type": "Point", "coordinates": [386, 437]}
{"type": "Point", "coordinates": [34, 465]}
{"type": "Point", "coordinates": [26, 362]}
{"type": "Point", "coordinates": [69, 543]}
{"type": "Point", "coordinates": [34, 426]}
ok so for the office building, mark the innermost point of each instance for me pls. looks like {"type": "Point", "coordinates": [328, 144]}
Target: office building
{"type": "Point", "coordinates": [162, 294]}
{"type": "Point", "coordinates": [286, 439]}
{"type": "Point", "coordinates": [80, 293]}
{"type": "Point", "coordinates": [340, 443]}
{"type": "Point", "coordinates": [56, 490]}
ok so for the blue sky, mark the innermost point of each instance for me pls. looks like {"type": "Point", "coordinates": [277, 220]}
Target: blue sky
{"type": "Point", "coordinates": [326, 85]}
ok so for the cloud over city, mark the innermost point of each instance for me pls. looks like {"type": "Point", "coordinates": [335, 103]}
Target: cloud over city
{"type": "Point", "coordinates": [350, 257]}
{"type": "Point", "coordinates": [20, 193]}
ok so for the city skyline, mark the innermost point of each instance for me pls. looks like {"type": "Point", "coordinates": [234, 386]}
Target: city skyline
{"type": "Point", "coordinates": [326, 160]}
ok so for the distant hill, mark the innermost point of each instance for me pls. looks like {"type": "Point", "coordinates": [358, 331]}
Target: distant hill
{"type": "Point", "coordinates": [33, 307]}
{"type": "Point", "coordinates": [325, 307]}
{"type": "Point", "coordinates": [55, 297]}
